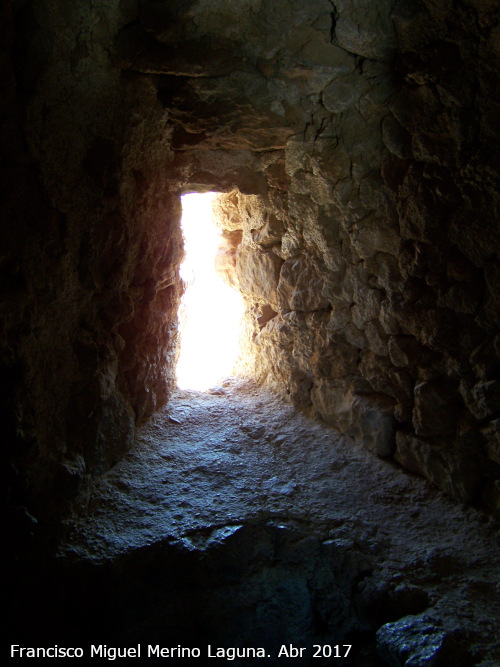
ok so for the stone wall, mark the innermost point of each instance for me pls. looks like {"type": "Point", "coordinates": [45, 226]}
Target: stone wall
{"type": "Point", "coordinates": [356, 142]}
{"type": "Point", "coordinates": [370, 263]}
{"type": "Point", "coordinates": [91, 247]}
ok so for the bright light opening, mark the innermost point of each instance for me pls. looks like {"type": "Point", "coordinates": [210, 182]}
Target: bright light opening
{"type": "Point", "coordinates": [211, 311]}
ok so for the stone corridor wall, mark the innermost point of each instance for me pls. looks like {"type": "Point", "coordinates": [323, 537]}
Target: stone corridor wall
{"type": "Point", "coordinates": [357, 144]}
{"type": "Point", "coordinates": [91, 245]}
{"type": "Point", "coordinates": [371, 265]}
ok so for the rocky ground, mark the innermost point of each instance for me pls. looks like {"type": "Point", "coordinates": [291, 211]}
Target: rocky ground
{"type": "Point", "coordinates": [236, 521]}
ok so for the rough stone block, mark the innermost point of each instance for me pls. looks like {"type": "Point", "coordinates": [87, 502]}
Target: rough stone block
{"type": "Point", "coordinates": [404, 351]}
{"type": "Point", "coordinates": [354, 335]}
{"type": "Point", "coordinates": [369, 418]}
{"type": "Point", "coordinates": [333, 357]}
{"type": "Point", "coordinates": [386, 270]}
{"type": "Point", "coordinates": [364, 28]}
{"type": "Point", "coordinates": [300, 287]}
{"type": "Point", "coordinates": [436, 408]}
{"type": "Point", "coordinates": [451, 470]}
{"type": "Point", "coordinates": [340, 315]}
{"type": "Point", "coordinates": [270, 233]}
{"type": "Point", "coordinates": [409, 452]}
{"type": "Point", "coordinates": [371, 235]}
{"type": "Point", "coordinates": [258, 274]}
{"type": "Point", "coordinates": [376, 423]}
{"type": "Point", "coordinates": [357, 316]}
{"type": "Point", "coordinates": [385, 379]}
{"type": "Point", "coordinates": [225, 259]}
{"type": "Point", "coordinates": [388, 319]}
{"type": "Point", "coordinates": [376, 338]}
{"type": "Point", "coordinates": [368, 301]}
{"type": "Point", "coordinates": [485, 399]}
{"type": "Point", "coordinates": [396, 139]}
{"type": "Point", "coordinates": [413, 641]}
{"type": "Point", "coordinates": [484, 359]}
{"type": "Point", "coordinates": [343, 92]}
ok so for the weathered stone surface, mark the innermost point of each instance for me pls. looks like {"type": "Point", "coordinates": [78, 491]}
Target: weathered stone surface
{"type": "Point", "coordinates": [370, 236]}
{"type": "Point", "coordinates": [300, 287]}
{"type": "Point", "coordinates": [377, 423]}
{"type": "Point", "coordinates": [369, 418]}
{"type": "Point", "coordinates": [376, 338]}
{"type": "Point", "coordinates": [436, 408]}
{"type": "Point", "coordinates": [231, 211]}
{"type": "Point", "coordinates": [483, 399]}
{"type": "Point", "coordinates": [354, 336]}
{"type": "Point", "coordinates": [258, 275]}
{"type": "Point", "coordinates": [415, 641]}
{"type": "Point", "coordinates": [485, 359]}
{"type": "Point", "coordinates": [404, 351]}
{"type": "Point", "coordinates": [388, 319]}
{"type": "Point", "coordinates": [270, 234]}
{"type": "Point", "coordinates": [385, 379]}
{"type": "Point", "coordinates": [384, 268]}
{"type": "Point", "coordinates": [451, 470]}
{"type": "Point", "coordinates": [367, 304]}
{"type": "Point", "coordinates": [365, 30]}
{"type": "Point", "coordinates": [343, 92]}
{"type": "Point", "coordinates": [380, 601]}
{"type": "Point", "coordinates": [225, 259]}
{"type": "Point", "coordinates": [396, 139]}
{"type": "Point", "coordinates": [266, 314]}
{"type": "Point", "coordinates": [333, 356]}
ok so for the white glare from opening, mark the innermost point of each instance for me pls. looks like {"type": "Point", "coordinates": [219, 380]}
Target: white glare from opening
{"type": "Point", "coordinates": [211, 311]}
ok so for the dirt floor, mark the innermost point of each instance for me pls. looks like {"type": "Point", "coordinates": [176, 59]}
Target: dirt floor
{"type": "Point", "coordinates": [237, 456]}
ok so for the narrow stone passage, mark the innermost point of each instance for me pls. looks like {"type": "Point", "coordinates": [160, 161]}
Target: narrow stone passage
{"type": "Point", "coordinates": [354, 146]}
{"type": "Point", "coordinates": [237, 520]}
